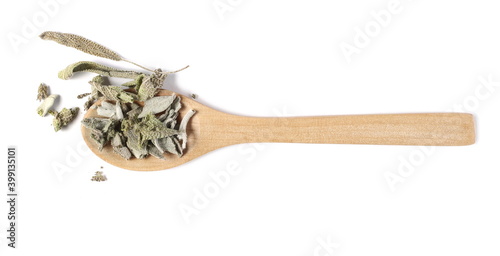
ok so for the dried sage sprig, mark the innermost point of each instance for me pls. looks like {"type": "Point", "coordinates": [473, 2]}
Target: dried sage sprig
{"type": "Point", "coordinates": [85, 45]}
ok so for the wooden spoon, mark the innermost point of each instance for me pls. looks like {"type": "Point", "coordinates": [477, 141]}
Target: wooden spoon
{"type": "Point", "coordinates": [210, 129]}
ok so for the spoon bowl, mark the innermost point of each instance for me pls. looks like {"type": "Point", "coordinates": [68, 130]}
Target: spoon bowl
{"type": "Point", "coordinates": [210, 129]}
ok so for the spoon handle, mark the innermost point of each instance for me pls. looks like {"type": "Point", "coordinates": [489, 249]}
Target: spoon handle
{"type": "Point", "coordinates": [438, 129]}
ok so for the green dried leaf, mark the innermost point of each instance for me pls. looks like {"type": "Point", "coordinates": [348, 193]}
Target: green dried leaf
{"type": "Point", "coordinates": [102, 130]}
{"type": "Point", "coordinates": [152, 150]}
{"type": "Point", "coordinates": [111, 92]}
{"type": "Point", "coordinates": [89, 66]}
{"type": "Point", "coordinates": [118, 146]}
{"type": "Point", "coordinates": [168, 144]}
{"type": "Point", "coordinates": [136, 83]}
{"type": "Point", "coordinates": [150, 85]}
{"type": "Point", "coordinates": [156, 105]}
{"type": "Point", "coordinates": [97, 123]}
{"type": "Point", "coordinates": [134, 112]}
{"type": "Point", "coordinates": [178, 145]}
{"type": "Point", "coordinates": [151, 128]}
{"type": "Point", "coordinates": [134, 143]}
{"type": "Point", "coordinates": [81, 43]}
{"type": "Point", "coordinates": [64, 117]}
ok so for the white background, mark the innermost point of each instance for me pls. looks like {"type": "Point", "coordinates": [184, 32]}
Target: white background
{"type": "Point", "coordinates": [262, 58]}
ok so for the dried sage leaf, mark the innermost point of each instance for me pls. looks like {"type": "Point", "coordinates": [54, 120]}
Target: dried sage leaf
{"type": "Point", "coordinates": [134, 112]}
{"type": "Point", "coordinates": [118, 110]}
{"type": "Point", "coordinates": [118, 146]}
{"type": "Point", "coordinates": [89, 66]}
{"type": "Point", "coordinates": [150, 85]}
{"type": "Point", "coordinates": [156, 105]}
{"type": "Point", "coordinates": [64, 117]}
{"type": "Point", "coordinates": [178, 146]}
{"type": "Point", "coordinates": [183, 127]}
{"type": "Point", "coordinates": [106, 109]}
{"type": "Point", "coordinates": [97, 123]}
{"type": "Point", "coordinates": [136, 82]}
{"type": "Point", "coordinates": [152, 150]}
{"type": "Point", "coordinates": [167, 144]}
{"type": "Point", "coordinates": [135, 145]}
{"type": "Point", "coordinates": [171, 119]}
{"type": "Point", "coordinates": [102, 130]}
{"type": "Point", "coordinates": [111, 92]}
{"type": "Point", "coordinates": [151, 128]}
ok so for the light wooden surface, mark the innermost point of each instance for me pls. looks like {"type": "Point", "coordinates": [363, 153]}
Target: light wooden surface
{"type": "Point", "coordinates": [210, 129]}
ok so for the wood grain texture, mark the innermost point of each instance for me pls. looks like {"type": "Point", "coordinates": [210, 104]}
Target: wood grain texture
{"type": "Point", "coordinates": [210, 129]}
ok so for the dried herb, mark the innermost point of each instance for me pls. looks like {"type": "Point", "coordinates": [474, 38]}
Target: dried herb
{"type": "Point", "coordinates": [99, 176]}
{"type": "Point", "coordinates": [106, 109]}
{"type": "Point", "coordinates": [83, 95]}
{"type": "Point", "coordinates": [43, 92]}
{"type": "Point", "coordinates": [118, 144]}
{"type": "Point", "coordinates": [47, 103]}
{"type": "Point", "coordinates": [152, 150]}
{"type": "Point", "coordinates": [183, 127]}
{"type": "Point", "coordinates": [119, 110]}
{"type": "Point", "coordinates": [151, 84]}
{"type": "Point", "coordinates": [88, 66]}
{"type": "Point", "coordinates": [63, 117]}
{"type": "Point", "coordinates": [110, 92]}
{"type": "Point", "coordinates": [156, 105]}
{"type": "Point", "coordinates": [102, 130]}
{"type": "Point", "coordinates": [130, 129]}
{"type": "Point", "coordinates": [81, 43]}
{"type": "Point", "coordinates": [85, 45]}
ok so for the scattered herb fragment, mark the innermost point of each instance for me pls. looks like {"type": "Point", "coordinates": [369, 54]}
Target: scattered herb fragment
{"type": "Point", "coordinates": [46, 105]}
{"type": "Point", "coordinates": [43, 92]}
{"type": "Point", "coordinates": [63, 117]}
{"type": "Point", "coordinates": [99, 176]}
